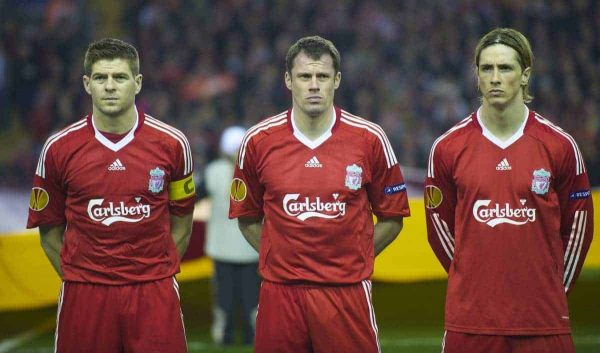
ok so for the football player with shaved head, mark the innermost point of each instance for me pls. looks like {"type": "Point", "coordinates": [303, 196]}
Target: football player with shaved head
{"type": "Point", "coordinates": [306, 186]}
{"type": "Point", "coordinates": [509, 213]}
{"type": "Point", "coordinates": [113, 198]}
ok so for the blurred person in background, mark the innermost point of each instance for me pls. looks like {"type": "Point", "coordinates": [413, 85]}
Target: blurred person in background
{"type": "Point", "coordinates": [509, 213]}
{"type": "Point", "coordinates": [113, 197]}
{"type": "Point", "coordinates": [306, 185]}
{"type": "Point", "coordinates": [235, 277]}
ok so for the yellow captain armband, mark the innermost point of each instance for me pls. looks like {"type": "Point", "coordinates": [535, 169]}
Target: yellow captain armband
{"type": "Point", "coordinates": [181, 189]}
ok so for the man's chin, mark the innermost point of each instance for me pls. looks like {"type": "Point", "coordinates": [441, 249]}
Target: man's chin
{"type": "Point", "coordinates": [112, 112]}
{"type": "Point", "coordinates": [314, 112]}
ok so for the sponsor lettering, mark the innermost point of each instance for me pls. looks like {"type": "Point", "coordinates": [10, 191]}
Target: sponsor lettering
{"type": "Point", "coordinates": [116, 212]}
{"type": "Point", "coordinates": [497, 214]}
{"type": "Point", "coordinates": [306, 208]}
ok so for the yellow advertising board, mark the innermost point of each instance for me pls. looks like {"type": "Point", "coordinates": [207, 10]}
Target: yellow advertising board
{"type": "Point", "coordinates": [29, 281]}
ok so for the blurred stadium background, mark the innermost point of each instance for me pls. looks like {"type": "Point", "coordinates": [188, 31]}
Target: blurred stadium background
{"type": "Point", "coordinates": [406, 65]}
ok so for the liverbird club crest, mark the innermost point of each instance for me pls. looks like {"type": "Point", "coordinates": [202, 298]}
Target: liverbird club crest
{"type": "Point", "coordinates": [541, 181]}
{"type": "Point", "coordinates": [157, 180]}
{"type": "Point", "coordinates": [353, 177]}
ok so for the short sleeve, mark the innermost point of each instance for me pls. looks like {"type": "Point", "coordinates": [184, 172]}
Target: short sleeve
{"type": "Point", "coordinates": [387, 190]}
{"type": "Point", "coordinates": [47, 200]}
{"type": "Point", "coordinates": [246, 190]}
{"type": "Point", "coordinates": [577, 212]}
{"type": "Point", "coordinates": [440, 204]}
{"type": "Point", "coordinates": [182, 191]}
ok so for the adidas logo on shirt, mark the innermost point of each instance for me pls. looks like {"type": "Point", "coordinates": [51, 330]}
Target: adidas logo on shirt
{"type": "Point", "coordinates": [313, 163]}
{"type": "Point", "coordinates": [116, 165]}
{"type": "Point", "coordinates": [503, 165]}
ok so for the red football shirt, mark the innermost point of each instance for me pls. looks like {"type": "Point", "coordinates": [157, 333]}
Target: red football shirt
{"type": "Point", "coordinates": [512, 222]}
{"type": "Point", "coordinates": [115, 199]}
{"type": "Point", "coordinates": [317, 197]}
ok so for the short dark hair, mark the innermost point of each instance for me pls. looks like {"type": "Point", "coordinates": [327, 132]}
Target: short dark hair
{"type": "Point", "coordinates": [314, 47]}
{"type": "Point", "coordinates": [513, 39]}
{"type": "Point", "coordinates": [109, 49]}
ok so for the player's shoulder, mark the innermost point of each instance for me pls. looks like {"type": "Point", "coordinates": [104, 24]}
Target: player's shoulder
{"type": "Point", "coordinates": [555, 140]}
{"type": "Point", "coordinates": [163, 129]}
{"type": "Point", "coordinates": [447, 145]}
{"type": "Point", "coordinates": [547, 132]}
{"type": "Point", "coordinates": [267, 127]}
{"type": "Point", "coordinates": [369, 132]}
{"type": "Point", "coordinates": [63, 143]}
{"type": "Point", "coordinates": [457, 133]}
{"type": "Point", "coordinates": [171, 137]}
{"type": "Point", "coordinates": [360, 126]}
{"type": "Point", "coordinates": [74, 132]}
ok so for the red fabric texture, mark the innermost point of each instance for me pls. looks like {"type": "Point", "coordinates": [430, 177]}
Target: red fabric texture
{"type": "Point", "coordinates": [315, 319]}
{"type": "Point", "coordinates": [137, 318]}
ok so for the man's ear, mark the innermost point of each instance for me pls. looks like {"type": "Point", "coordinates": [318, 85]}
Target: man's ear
{"type": "Point", "coordinates": [86, 84]}
{"type": "Point", "coordinates": [288, 80]}
{"type": "Point", "coordinates": [138, 83]}
{"type": "Point", "coordinates": [525, 76]}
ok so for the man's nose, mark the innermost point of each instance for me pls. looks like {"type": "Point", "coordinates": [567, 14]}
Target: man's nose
{"type": "Point", "coordinates": [110, 84]}
{"type": "Point", "coordinates": [314, 84]}
{"type": "Point", "coordinates": [495, 76]}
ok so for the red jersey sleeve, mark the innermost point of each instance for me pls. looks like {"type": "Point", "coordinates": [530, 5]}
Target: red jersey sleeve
{"type": "Point", "coordinates": [182, 192]}
{"type": "Point", "coordinates": [246, 190]}
{"type": "Point", "coordinates": [47, 200]}
{"type": "Point", "coordinates": [440, 203]}
{"type": "Point", "coordinates": [387, 190]}
{"type": "Point", "coordinates": [577, 212]}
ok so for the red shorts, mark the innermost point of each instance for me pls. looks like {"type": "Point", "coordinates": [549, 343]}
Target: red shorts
{"type": "Point", "coordinates": [137, 318]}
{"type": "Point", "coordinates": [458, 342]}
{"type": "Point", "coordinates": [316, 319]}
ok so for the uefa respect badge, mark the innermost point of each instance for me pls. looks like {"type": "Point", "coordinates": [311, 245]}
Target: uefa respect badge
{"type": "Point", "coordinates": [541, 181]}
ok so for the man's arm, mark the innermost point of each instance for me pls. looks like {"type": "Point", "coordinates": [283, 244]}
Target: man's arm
{"type": "Point", "coordinates": [51, 238]}
{"type": "Point", "coordinates": [577, 213]}
{"type": "Point", "coordinates": [440, 205]}
{"type": "Point", "coordinates": [181, 230]}
{"type": "Point", "coordinates": [386, 230]}
{"type": "Point", "coordinates": [251, 228]}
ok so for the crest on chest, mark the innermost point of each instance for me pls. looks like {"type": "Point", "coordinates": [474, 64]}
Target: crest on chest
{"type": "Point", "coordinates": [353, 177]}
{"type": "Point", "coordinates": [157, 180]}
{"type": "Point", "coordinates": [540, 184]}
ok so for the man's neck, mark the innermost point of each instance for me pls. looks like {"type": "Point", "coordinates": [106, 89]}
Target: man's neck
{"type": "Point", "coordinates": [115, 124]}
{"type": "Point", "coordinates": [313, 127]}
{"type": "Point", "coordinates": [503, 123]}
